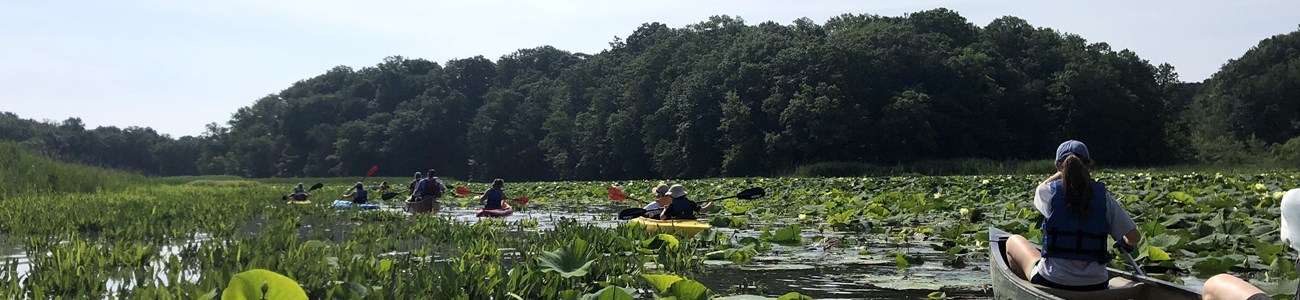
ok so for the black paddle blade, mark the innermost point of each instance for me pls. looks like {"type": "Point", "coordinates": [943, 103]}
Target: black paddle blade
{"type": "Point", "coordinates": [389, 196]}
{"type": "Point", "coordinates": [316, 186]}
{"type": "Point", "coordinates": [631, 213]}
{"type": "Point", "coordinates": [285, 197]}
{"type": "Point", "coordinates": [752, 193]}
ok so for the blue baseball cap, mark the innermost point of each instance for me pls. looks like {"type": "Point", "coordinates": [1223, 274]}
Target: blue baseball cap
{"type": "Point", "coordinates": [1071, 146]}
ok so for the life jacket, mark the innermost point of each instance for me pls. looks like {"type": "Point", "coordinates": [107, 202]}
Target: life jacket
{"type": "Point", "coordinates": [360, 196]}
{"type": "Point", "coordinates": [433, 187]}
{"type": "Point", "coordinates": [1071, 236]}
{"type": "Point", "coordinates": [494, 197]}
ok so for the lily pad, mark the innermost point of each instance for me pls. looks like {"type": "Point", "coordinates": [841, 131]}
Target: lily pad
{"type": "Point", "coordinates": [262, 284]}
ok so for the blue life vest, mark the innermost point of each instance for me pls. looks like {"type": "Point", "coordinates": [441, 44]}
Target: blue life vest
{"type": "Point", "coordinates": [494, 197]}
{"type": "Point", "coordinates": [1069, 236]}
{"type": "Point", "coordinates": [360, 197]}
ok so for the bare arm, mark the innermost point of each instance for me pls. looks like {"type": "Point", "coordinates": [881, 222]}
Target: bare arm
{"type": "Point", "coordinates": [1133, 237]}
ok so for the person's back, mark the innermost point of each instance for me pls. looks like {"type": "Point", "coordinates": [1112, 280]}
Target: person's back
{"type": "Point", "coordinates": [682, 208]}
{"type": "Point", "coordinates": [493, 199]}
{"type": "Point", "coordinates": [1079, 215]}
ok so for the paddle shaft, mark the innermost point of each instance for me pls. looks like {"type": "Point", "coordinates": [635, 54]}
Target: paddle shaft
{"type": "Point", "coordinates": [1136, 269]}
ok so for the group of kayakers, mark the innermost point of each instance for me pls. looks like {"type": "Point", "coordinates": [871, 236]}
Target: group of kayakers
{"type": "Point", "coordinates": [670, 202]}
{"type": "Point", "coordinates": [1080, 214]}
{"type": "Point", "coordinates": [426, 187]}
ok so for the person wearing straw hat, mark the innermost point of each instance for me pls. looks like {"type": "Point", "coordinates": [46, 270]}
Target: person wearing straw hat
{"type": "Point", "coordinates": [1079, 216]}
{"type": "Point", "coordinates": [662, 200]}
{"type": "Point", "coordinates": [681, 208]}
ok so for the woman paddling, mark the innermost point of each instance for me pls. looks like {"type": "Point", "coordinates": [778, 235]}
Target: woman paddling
{"type": "Point", "coordinates": [1080, 214]}
{"type": "Point", "coordinates": [494, 198]}
{"type": "Point", "coordinates": [358, 194]}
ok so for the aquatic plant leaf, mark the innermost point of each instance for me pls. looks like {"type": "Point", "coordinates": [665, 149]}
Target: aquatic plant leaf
{"type": "Point", "coordinates": [661, 241]}
{"type": "Point", "coordinates": [350, 290]}
{"type": "Point", "coordinates": [609, 293]}
{"type": "Point", "coordinates": [794, 296]}
{"type": "Point", "coordinates": [249, 285]}
{"type": "Point", "coordinates": [687, 289]}
{"type": "Point", "coordinates": [1155, 254]}
{"type": "Point", "coordinates": [571, 261]}
{"type": "Point", "coordinates": [661, 282]}
{"type": "Point", "coordinates": [569, 295]}
{"type": "Point", "coordinates": [787, 236]}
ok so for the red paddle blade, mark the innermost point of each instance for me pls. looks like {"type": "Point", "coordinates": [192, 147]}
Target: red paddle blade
{"type": "Point", "coordinates": [521, 200]}
{"type": "Point", "coordinates": [372, 170]}
{"type": "Point", "coordinates": [463, 191]}
{"type": "Point", "coordinates": [617, 194]}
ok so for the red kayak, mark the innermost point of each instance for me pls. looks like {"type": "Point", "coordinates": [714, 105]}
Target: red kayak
{"type": "Point", "coordinates": [496, 213]}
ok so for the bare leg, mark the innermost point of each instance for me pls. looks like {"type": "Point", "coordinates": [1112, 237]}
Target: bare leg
{"type": "Point", "coordinates": [1021, 256]}
{"type": "Point", "coordinates": [1228, 287]}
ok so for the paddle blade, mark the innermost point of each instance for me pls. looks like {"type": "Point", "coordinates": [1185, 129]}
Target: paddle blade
{"type": "Point", "coordinates": [463, 191]}
{"type": "Point", "coordinates": [631, 213]}
{"type": "Point", "coordinates": [316, 186]}
{"type": "Point", "coordinates": [617, 194]}
{"type": "Point", "coordinates": [285, 197]}
{"type": "Point", "coordinates": [372, 171]}
{"type": "Point", "coordinates": [389, 196]}
{"type": "Point", "coordinates": [521, 200]}
{"type": "Point", "coordinates": [752, 193]}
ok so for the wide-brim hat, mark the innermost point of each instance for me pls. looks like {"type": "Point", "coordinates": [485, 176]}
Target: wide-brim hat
{"type": "Point", "coordinates": [677, 191]}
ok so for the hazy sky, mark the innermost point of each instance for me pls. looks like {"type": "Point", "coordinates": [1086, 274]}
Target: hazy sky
{"type": "Point", "coordinates": [176, 65]}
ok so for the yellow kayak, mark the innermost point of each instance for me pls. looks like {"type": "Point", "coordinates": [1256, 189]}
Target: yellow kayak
{"type": "Point", "coordinates": [300, 202]}
{"type": "Point", "coordinates": [686, 228]}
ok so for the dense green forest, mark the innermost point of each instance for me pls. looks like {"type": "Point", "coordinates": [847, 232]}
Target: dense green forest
{"type": "Point", "coordinates": [724, 98]}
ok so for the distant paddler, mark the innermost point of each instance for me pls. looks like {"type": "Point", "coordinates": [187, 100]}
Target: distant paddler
{"type": "Point", "coordinates": [358, 194]}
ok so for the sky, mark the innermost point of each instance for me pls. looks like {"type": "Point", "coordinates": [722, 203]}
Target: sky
{"type": "Point", "coordinates": [176, 65]}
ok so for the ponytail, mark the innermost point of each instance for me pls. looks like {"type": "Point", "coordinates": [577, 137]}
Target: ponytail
{"type": "Point", "coordinates": [1077, 184]}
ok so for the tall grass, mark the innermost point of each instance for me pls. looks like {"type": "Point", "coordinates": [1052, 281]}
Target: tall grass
{"type": "Point", "coordinates": [24, 171]}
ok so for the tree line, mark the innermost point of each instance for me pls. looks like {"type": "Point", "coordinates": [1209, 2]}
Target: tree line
{"type": "Point", "coordinates": [725, 98]}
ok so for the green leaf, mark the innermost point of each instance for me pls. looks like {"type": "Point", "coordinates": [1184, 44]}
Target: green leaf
{"type": "Point", "coordinates": [1155, 254]}
{"type": "Point", "coordinates": [569, 295]}
{"type": "Point", "coordinates": [937, 295]}
{"type": "Point", "coordinates": [787, 236]}
{"type": "Point", "coordinates": [250, 284]}
{"type": "Point", "coordinates": [609, 293]}
{"type": "Point", "coordinates": [794, 296]}
{"type": "Point", "coordinates": [661, 241]}
{"type": "Point", "coordinates": [571, 261]}
{"type": "Point", "coordinates": [350, 290]}
{"type": "Point", "coordinates": [687, 289]}
{"type": "Point", "coordinates": [661, 282]}
{"type": "Point", "coordinates": [1181, 197]}
{"type": "Point", "coordinates": [209, 296]}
